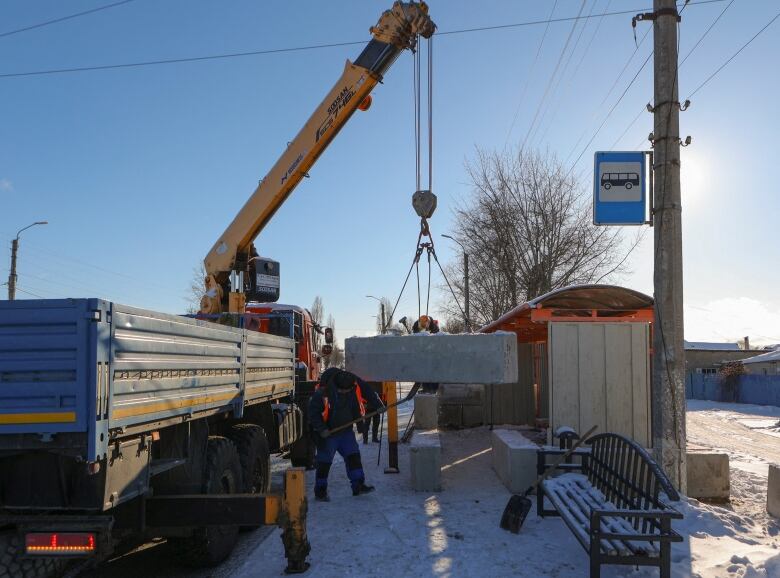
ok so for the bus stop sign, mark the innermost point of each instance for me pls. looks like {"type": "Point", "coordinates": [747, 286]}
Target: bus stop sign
{"type": "Point", "coordinates": [619, 195]}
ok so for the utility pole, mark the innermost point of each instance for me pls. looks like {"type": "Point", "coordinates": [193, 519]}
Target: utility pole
{"type": "Point", "coordinates": [467, 317]}
{"type": "Point", "coordinates": [381, 312]}
{"type": "Point", "coordinates": [12, 274]}
{"type": "Point", "coordinates": [466, 281]}
{"type": "Point", "coordinates": [668, 393]}
{"type": "Point", "coordinates": [14, 250]}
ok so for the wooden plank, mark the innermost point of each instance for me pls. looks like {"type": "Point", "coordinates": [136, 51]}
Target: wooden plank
{"type": "Point", "coordinates": [592, 377]}
{"type": "Point", "coordinates": [619, 384]}
{"type": "Point", "coordinates": [640, 380]}
{"type": "Point", "coordinates": [564, 376]}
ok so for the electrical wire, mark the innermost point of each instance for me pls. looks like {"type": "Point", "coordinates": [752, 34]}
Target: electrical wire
{"type": "Point", "coordinates": [552, 77]}
{"type": "Point", "coordinates": [312, 46]}
{"type": "Point", "coordinates": [703, 36]}
{"type": "Point", "coordinates": [528, 77]}
{"type": "Point", "coordinates": [552, 105]}
{"type": "Point", "coordinates": [63, 18]}
{"type": "Point", "coordinates": [611, 110]}
{"type": "Point", "coordinates": [733, 56]}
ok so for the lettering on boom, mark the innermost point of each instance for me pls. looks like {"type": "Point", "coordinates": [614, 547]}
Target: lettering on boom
{"type": "Point", "coordinates": [341, 101]}
{"type": "Point", "coordinates": [294, 164]}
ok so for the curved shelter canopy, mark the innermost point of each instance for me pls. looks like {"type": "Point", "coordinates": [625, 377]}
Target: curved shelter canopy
{"type": "Point", "coordinates": [582, 303]}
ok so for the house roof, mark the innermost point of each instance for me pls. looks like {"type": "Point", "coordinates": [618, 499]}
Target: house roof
{"type": "Point", "coordinates": [711, 346]}
{"type": "Point", "coordinates": [764, 357]}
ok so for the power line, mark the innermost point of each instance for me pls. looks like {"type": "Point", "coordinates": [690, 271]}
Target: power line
{"type": "Point", "coordinates": [703, 36]}
{"type": "Point", "coordinates": [733, 56]}
{"type": "Point", "coordinates": [528, 76]}
{"type": "Point", "coordinates": [552, 77]}
{"type": "Point", "coordinates": [312, 46]}
{"type": "Point", "coordinates": [611, 110]}
{"type": "Point", "coordinates": [63, 18]}
{"type": "Point", "coordinates": [551, 104]}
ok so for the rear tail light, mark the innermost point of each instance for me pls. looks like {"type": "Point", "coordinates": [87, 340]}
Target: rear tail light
{"type": "Point", "coordinates": [60, 543]}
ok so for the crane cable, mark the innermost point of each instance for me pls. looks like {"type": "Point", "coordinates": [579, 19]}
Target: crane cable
{"type": "Point", "coordinates": [425, 231]}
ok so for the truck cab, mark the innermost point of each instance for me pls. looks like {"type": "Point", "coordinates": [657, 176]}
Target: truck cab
{"type": "Point", "coordinates": [296, 323]}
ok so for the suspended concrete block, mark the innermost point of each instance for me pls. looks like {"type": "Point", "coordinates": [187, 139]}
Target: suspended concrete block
{"type": "Point", "coordinates": [435, 358]}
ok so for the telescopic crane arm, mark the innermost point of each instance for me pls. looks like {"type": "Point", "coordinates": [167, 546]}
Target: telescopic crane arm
{"type": "Point", "coordinates": [397, 30]}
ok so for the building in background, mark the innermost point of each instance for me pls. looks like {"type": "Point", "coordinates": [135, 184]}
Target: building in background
{"type": "Point", "coordinates": [707, 357]}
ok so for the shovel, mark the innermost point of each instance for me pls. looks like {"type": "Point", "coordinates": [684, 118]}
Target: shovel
{"type": "Point", "coordinates": [519, 504]}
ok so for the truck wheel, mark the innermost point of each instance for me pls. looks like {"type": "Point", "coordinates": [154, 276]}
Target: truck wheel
{"type": "Point", "coordinates": [211, 545]}
{"type": "Point", "coordinates": [255, 457]}
{"type": "Point", "coordinates": [11, 566]}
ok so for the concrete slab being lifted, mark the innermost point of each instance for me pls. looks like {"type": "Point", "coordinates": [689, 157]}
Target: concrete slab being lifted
{"type": "Point", "coordinates": [438, 358]}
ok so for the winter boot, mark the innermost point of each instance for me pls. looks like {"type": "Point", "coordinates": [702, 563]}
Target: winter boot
{"type": "Point", "coordinates": [362, 488]}
{"type": "Point", "coordinates": [321, 495]}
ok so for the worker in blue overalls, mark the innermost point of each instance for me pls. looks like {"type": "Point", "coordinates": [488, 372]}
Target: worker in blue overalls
{"type": "Point", "coordinates": [340, 398]}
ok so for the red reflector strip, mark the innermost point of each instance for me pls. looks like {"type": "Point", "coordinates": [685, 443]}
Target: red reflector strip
{"type": "Point", "coordinates": [60, 543]}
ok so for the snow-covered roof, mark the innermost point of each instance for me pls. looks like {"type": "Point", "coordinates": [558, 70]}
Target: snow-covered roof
{"type": "Point", "coordinates": [763, 358]}
{"type": "Point", "coordinates": [711, 346]}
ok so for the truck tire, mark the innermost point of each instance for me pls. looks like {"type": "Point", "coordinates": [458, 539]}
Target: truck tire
{"type": "Point", "coordinates": [254, 455]}
{"type": "Point", "coordinates": [11, 566]}
{"type": "Point", "coordinates": [210, 545]}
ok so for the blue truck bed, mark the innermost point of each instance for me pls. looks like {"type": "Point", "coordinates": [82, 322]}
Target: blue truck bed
{"type": "Point", "coordinates": [92, 367]}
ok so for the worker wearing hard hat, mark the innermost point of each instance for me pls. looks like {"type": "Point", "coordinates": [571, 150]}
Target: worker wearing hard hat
{"type": "Point", "coordinates": [340, 398]}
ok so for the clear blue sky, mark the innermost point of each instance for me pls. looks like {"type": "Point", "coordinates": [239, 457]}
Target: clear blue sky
{"type": "Point", "coordinates": [139, 170]}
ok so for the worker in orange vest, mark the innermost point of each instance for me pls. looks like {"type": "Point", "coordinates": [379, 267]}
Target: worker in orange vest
{"type": "Point", "coordinates": [340, 398]}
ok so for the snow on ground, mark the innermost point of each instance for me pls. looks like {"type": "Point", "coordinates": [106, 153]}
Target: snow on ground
{"type": "Point", "coordinates": [398, 532]}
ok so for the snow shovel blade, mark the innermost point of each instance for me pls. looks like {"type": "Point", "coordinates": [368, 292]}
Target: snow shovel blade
{"type": "Point", "coordinates": [515, 513]}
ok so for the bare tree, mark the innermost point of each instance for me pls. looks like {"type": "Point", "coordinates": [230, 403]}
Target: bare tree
{"type": "Point", "coordinates": [317, 311]}
{"type": "Point", "coordinates": [528, 229]}
{"type": "Point", "coordinates": [196, 289]}
{"type": "Point", "coordinates": [336, 358]}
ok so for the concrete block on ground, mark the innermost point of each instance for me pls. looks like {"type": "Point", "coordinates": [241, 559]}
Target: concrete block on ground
{"type": "Point", "coordinates": [514, 459]}
{"type": "Point", "coordinates": [472, 415]}
{"type": "Point", "coordinates": [708, 476]}
{"type": "Point", "coordinates": [773, 491]}
{"type": "Point", "coordinates": [463, 358]}
{"type": "Point", "coordinates": [426, 411]}
{"type": "Point", "coordinates": [425, 461]}
{"type": "Point", "coordinates": [450, 415]}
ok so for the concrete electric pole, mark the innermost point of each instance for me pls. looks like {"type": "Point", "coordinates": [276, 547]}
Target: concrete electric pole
{"type": "Point", "coordinates": [14, 250]}
{"type": "Point", "coordinates": [467, 318]}
{"type": "Point", "coordinates": [668, 398]}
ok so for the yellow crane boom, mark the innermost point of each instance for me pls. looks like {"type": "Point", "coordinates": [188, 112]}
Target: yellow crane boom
{"type": "Point", "coordinates": [398, 29]}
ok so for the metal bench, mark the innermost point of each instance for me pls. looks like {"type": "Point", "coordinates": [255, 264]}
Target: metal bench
{"type": "Point", "coordinates": [610, 501]}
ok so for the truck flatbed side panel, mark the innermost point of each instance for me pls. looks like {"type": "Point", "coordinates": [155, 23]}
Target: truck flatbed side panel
{"type": "Point", "coordinates": [269, 367]}
{"type": "Point", "coordinates": [164, 366]}
{"type": "Point", "coordinates": [48, 364]}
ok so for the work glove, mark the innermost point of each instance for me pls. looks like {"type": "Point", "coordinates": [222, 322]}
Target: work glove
{"type": "Point", "coordinates": [324, 433]}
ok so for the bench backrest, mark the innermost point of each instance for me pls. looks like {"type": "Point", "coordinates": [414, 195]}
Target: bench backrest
{"type": "Point", "coordinates": [626, 474]}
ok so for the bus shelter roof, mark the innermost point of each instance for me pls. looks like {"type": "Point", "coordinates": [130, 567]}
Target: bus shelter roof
{"type": "Point", "coordinates": [577, 303]}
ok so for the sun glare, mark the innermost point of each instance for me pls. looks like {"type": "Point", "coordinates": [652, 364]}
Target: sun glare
{"type": "Point", "coordinates": [693, 178]}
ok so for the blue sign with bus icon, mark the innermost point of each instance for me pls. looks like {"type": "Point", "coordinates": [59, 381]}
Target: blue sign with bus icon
{"type": "Point", "coordinates": [619, 195]}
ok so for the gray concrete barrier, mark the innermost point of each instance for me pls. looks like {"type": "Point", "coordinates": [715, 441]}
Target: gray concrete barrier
{"type": "Point", "coordinates": [425, 461]}
{"type": "Point", "coordinates": [708, 476]}
{"type": "Point", "coordinates": [773, 491]}
{"type": "Point", "coordinates": [426, 411]}
{"type": "Point", "coordinates": [514, 459]}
